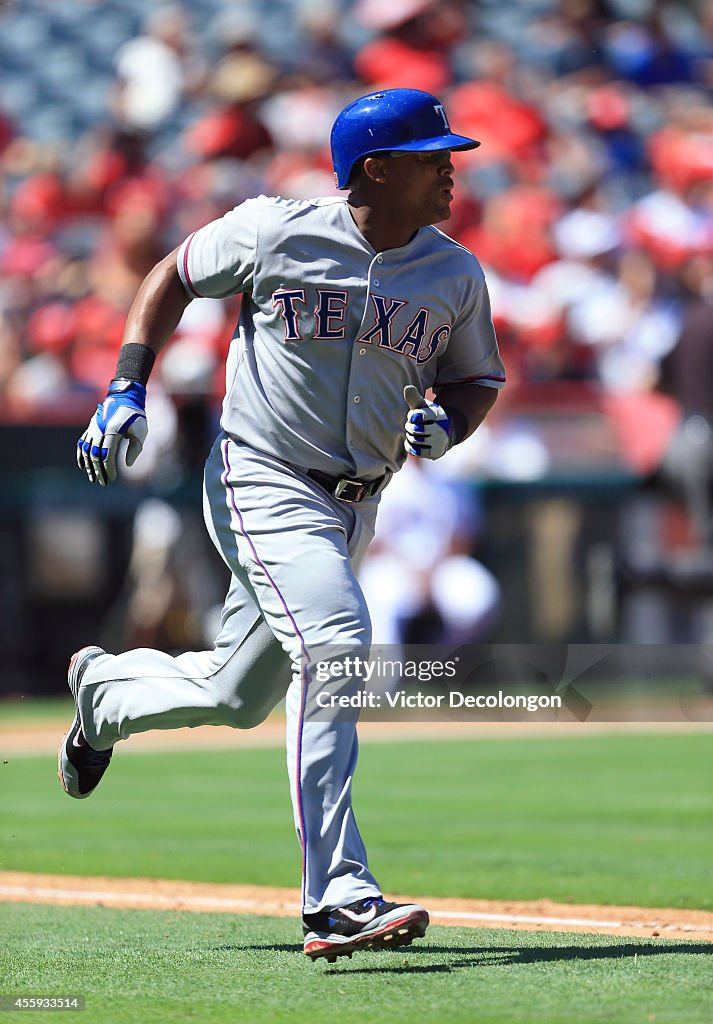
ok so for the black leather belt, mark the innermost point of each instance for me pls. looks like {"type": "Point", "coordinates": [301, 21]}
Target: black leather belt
{"type": "Point", "coordinates": [346, 489]}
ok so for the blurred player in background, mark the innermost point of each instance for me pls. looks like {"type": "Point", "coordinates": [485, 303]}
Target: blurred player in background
{"type": "Point", "coordinates": [420, 578]}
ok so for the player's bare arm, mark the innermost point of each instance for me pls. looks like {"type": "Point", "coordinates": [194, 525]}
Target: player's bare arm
{"type": "Point", "coordinates": [469, 404]}
{"type": "Point", "coordinates": [158, 307]}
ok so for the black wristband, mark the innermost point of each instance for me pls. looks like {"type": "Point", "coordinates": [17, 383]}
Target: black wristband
{"type": "Point", "coordinates": [459, 425]}
{"type": "Point", "coordinates": [135, 362]}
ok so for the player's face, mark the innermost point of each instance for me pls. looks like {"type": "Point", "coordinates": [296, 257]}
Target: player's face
{"type": "Point", "coordinates": [424, 184]}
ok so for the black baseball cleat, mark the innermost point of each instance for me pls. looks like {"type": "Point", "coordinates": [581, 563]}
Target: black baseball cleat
{"type": "Point", "coordinates": [370, 923]}
{"type": "Point", "coordinates": [79, 766]}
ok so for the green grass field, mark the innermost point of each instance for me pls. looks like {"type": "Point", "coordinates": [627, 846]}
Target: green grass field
{"type": "Point", "coordinates": [607, 819]}
{"type": "Point", "coordinates": [33, 710]}
{"type": "Point", "coordinates": [146, 966]}
{"type": "Point", "coordinates": [604, 819]}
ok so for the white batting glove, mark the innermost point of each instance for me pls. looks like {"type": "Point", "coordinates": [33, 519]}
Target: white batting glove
{"type": "Point", "coordinates": [121, 415]}
{"type": "Point", "coordinates": [428, 426]}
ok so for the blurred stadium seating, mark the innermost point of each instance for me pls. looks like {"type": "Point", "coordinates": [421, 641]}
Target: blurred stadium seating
{"type": "Point", "coordinates": [124, 124]}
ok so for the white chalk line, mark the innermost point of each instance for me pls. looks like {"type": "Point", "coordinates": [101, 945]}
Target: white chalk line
{"type": "Point", "coordinates": [570, 922]}
{"type": "Point", "coordinates": [155, 900]}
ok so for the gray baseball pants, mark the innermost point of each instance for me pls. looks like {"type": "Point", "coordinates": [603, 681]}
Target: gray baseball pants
{"type": "Point", "coordinates": [292, 550]}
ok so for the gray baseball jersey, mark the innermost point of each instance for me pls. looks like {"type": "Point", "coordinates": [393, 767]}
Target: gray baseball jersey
{"type": "Point", "coordinates": [331, 331]}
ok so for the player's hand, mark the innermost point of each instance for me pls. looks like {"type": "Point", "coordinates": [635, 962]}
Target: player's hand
{"type": "Point", "coordinates": [428, 426]}
{"type": "Point", "coordinates": [121, 415]}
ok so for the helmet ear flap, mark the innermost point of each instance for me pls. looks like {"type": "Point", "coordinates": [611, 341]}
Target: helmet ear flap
{"type": "Point", "coordinates": [353, 175]}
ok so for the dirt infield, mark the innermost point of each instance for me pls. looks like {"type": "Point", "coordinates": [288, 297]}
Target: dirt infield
{"type": "Point", "coordinates": [202, 897]}
{"type": "Point", "coordinates": [40, 738]}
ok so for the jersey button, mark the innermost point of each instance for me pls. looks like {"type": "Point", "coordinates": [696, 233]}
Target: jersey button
{"type": "Point", "coordinates": [357, 399]}
{"type": "Point", "coordinates": [376, 282]}
{"type": "Point", "coordinates": [362, 351]}
{"type": "Point", "coordinates": [379, 259]}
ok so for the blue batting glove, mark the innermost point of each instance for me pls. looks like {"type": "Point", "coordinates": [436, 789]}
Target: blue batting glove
{"type": "Point", "coordinates": [428, 426]}
{"type": "Point", "coordinates": [120, 416]}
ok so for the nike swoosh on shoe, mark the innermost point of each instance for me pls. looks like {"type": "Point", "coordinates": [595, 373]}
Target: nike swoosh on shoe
{"type": "Point", "coordinates": [364, 918]}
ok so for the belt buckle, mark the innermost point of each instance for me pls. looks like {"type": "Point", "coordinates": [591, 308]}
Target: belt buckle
{"type": "Point", "coordinates": [350, 490]}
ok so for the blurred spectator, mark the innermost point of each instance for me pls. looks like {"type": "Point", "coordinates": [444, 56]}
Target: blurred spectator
{"type": "Point", "coordinates": [232, 126]}
{"type": "Point", "coordinates": [415, 42]}
{"type": "Point", "coordinates": [567, 36]}
{"type": "Point", "coordinates": [130, 244]}
{"type": "Point", "coordinates": [687, 375]}
{"type": "Point", "coordinates": [157, 70]}
{"type": "Point", "coordinates": [107, 158]}
{"type": "Point", "coordinates": [510, 129]}
{"type": "Point", "coordinates": [322, 56]}
{"type": "Point", "coordinates": [170, 591]}
{"type": "Point", "coordinates": [513, 236]}
{"type": "Point", "coordinates": [647, 52]}
{"type": "Point", "coordinates": [609, 113]}
{"type": "Point", "coordinates": [630, 327]}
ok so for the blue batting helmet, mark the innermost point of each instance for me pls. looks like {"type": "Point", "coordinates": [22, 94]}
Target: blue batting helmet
{"type": "Point", "coordinates": [406, 120]}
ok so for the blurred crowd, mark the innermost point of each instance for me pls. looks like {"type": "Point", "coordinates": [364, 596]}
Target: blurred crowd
{"type": "Point", "coordinates": [124, 125]}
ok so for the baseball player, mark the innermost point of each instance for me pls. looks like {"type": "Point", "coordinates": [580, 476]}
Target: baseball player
{"type": "Point", "coordinates": [352, 308]}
